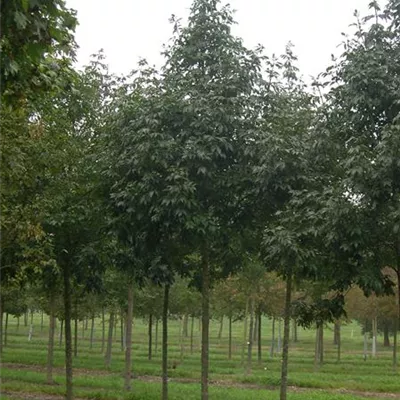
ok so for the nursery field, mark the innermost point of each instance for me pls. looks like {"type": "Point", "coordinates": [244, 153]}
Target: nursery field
{"type": "Point", "coordinates": [24, 366]}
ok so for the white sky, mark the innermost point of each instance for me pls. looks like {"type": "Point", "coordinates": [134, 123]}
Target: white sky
{"type": "Point", "coordinates": [131, 29]}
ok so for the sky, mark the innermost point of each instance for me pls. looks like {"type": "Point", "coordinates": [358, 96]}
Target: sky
{"type": "Point", "coordinates": [128, 30]}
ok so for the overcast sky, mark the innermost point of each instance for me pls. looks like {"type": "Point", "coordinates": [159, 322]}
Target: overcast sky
{"type": "Point", "coordinates": [130, 29]}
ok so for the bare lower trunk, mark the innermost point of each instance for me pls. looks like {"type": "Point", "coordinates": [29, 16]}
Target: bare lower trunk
{"type": "Point", "coordinates": [279, 335]}
{"type": "Point", "coordinates": [50, 348]}
{"type": "Point", "coordinates": [41, 321]}
{"type": "Point", "coordinates": [76, 331]}
{"type": "Point", "coordinates": [259, 338]}
{"type": "Point", "coordinates": [6, 331]}
{"type": "Point", "coordinates": [365, 354]}
{"type": "Point", "coordinates": [150, 334]}
{"type": "Point", "coordinates": [165, 344]}
{"type": "Point", "coordinates": [221, 327]}
{"type": "Point", "coordinates": [191, 334]}
{"type": "Point", "coordinates": [1, 324]}
{"type": "Point", "coordinates": [338, 330]}
{"type": "Point", "coordinates": [374, 335]}
{"type": "Point", "coordinates": [109, 341]}
{"type": "Point", "coordinates": [68, 332]}
{"type": "Point", "coordinates": [181, 340]}
{"type": "Point", "coordinates": [61, 333]}
{"type": "Point", "coordinates": [272, 351]}
{"type": "Point", "coordinates": [185, 325]}
{"type": "Point", "coordinates": [286, 337]}
{"type": "Point", "coordinates": [103, 330]}
{"type": "Point", "coordinates": [250, 337]}
{"type": "Point", "coordinates": [244, 346]}
{"type": "Point", "coordinates": [128, 350]}
{"type": "Point", "coordinates": [205, 321]}
{"type": "Point", "coordinates": [92, 332]}
{"type": "Point", "coordinates": [122, 333]}
{"type": "Point", "coordinates": [156, 346]}
{"type": "Point", "coordinates": [386, 338]}
{"type": "Point", "coordinates": [230, 338]}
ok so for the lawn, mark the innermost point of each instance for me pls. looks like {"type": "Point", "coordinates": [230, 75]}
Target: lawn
{"type": "Point", "coordinates": [23, 369]}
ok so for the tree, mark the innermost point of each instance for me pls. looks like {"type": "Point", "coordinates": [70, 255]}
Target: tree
{"type": "Point", "coordinates": [37, 46]}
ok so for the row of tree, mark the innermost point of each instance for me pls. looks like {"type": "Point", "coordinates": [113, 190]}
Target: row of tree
{"type": "Point", "coordinates": [222, 161]}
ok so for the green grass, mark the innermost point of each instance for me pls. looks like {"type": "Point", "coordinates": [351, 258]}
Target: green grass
{"type": "Point", "coordinates": [93, 381]}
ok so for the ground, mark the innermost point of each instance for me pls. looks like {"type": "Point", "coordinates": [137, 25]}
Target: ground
{"type": "Point", "coordinates": [23, 367]}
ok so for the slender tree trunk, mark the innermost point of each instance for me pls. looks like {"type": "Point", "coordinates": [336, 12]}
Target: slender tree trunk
{"type": "Point", "coordinates": [255, 330]}
{"type": "Point", "coordinates": [165, 344]}
{"type": "Point", "coordinates": [191, 334]}
{"type": "Point", "coordinates": [397, 319]}
{"type": "Point", "coordinates": [374, 335]}
{"type": "Point", "coordinates": [279, 335]}
{"type": "Point", "coordinates": [103, 330]}
{"type": "Point", "coordinates": [244, 347]}
{"type": "Point", "coordinates": [76, 330]}
{"type": "Point", "coordinates": [128, 351]}
{"type": "Point", "coordinates": [31, 317]}
{"type": "Point", "coordinates": [6, 331]}
{"type": "Point", "coordinates": [272, 351]}
{"type": "Point", "coordinates": [18, 324]}
{"type": "Point", "coordinates": [50, 348]}
{"type": "Point", "coordinates": [123, 344]}
{"type": "Point", "coordinates": [365, 342]}
{"type": "Point", "coordinates": [26, 318]}
{"type": "Point", "coordinates": [92, 332]}
{"type": "Point", "coordinates": [259, 338]}
{"type": "Point", "coordinates": [286, 337]}
{"type": "Point", "coordinates": [109, 340]}
{"type": "Point", "coordinates": [83, 329]}
{"type": "Point", "coordinates": [150, 333]}
{"type": "Point", "coordinates": [317, 347]}
{"type": "Point", "coordinates": [221, 327]}
{"type": "Point", "coordinates": [338, 329]}
{"type": "Point", "coordinates": [250, 338]}
{"type": "Point", "coordinates": [68, 331]}
{"type": "Point", "coordinates": [61, 332]}
{"type": "Point", "coordinates": [321, 344]}
{"type": "Point", "coordinates": [386, 337]}
{"type": "Point", "coordinates": [205, 306]}
{"type": "Point", "coordinates": [156, 347]}
{"type": "Point", "coordinates": [230, 338]}
{"type": "Point", "coordinates": [41, 321]}
{"type": "Point", "coordinates": [181, 340]}
{"type": "Point", "coordinates": [186, 325]}
{"type": "Point", "coordinates": [1, 323]}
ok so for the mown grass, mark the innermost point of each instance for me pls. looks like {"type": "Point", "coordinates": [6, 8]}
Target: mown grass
{"type": "Point", "coordinates": [351, 373]}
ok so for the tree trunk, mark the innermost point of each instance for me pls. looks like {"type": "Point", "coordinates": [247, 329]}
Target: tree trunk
{"type": "Point", "coordinates": [61, 332]}
{"type": "Point", "coordinates": [186, 325]}
{"type": "Point", "coordinates": [150, 333]}
{"type": "Point", "coordinates": [50, 348]}
{"type": "Point", "coordinates": [386, 338]}
{"type": "Point", "coordinates": [259, 338]}
{"type": "Point", "coordinates": [272, 351]}
{"type": "Point", "coordinates": [181, 340]}
{"type": "Point", "coordinates": [230, 338]}
{"type": "Point", "coordinates": [91, 332]}
{"type": "Point", "coordinates": [336, 329]}
{"type": "Point", "coordinates": [338, 340]}
{"type": "Point", "coordinates": [156, 346]}
{"type": "Point", "coordinates": [191, 334]}
{"type": "Point", "coordinates": [255, 330]}
{"type": "Point", "coordinates": [68, 331]}
{"type": "Point", "coordinates": [321, 344]}
{"type": "Point", "coordinates": [17, 323]}
{"type": "Point", "coordinates": [397, 320]}
{"type": "Point", "coordinates": [41, 321]}
{"type": "Point", "coordinates": [76, 330]}
{"type": "Point", "coordinates": [6, 331]}
{"type": "Point", "coordinates": [365, 354]}
{"type": "Point", "coordinates": [128, 351]}
{"type": "Point", "coordinates": [205, 308]}
{"type": "Point", "coordinates": [250, 339]}
{"type": "Point", "coordinates": [26, 318]}
{"type": "Point", "coordinates": [103, 330]}
{"type": "Point", "coordinates": [221, 327]}
{"type": "Point", "coordinates": [123, 341]}
{"type": "Point", "coordinates": [279, 335]}
{"type": "Point", "coordinates": [374, 336]}
{"type": "Point", "coordinates": [83, 329]}
{"type": "Point", "coordinates": [244, 346]}
{"type": "Point", "coordinates": [319, 341]}
{"type": "Point", "coordinates": [286, 337]}
{"type": "Point", "coordinates": [165, 343]}
{"type": "Point", "coordinates": [1, 323]}
{"type": "Point", "coordinates": [31, 317]}
{"type": "Point", "coordinates": [109, 341]}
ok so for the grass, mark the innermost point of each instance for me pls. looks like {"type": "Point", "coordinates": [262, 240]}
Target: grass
{"type": "Point", "coordinates": [24, 361]}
